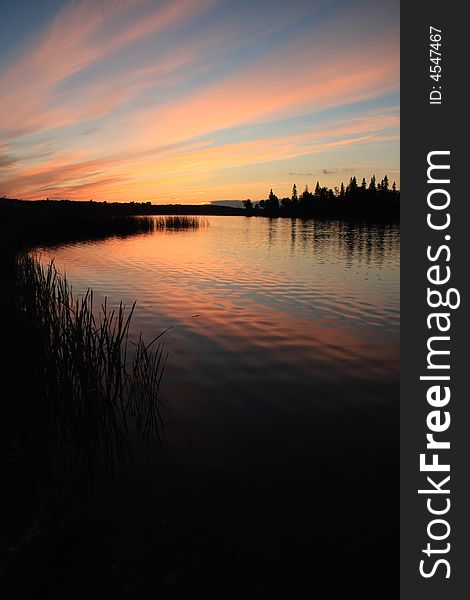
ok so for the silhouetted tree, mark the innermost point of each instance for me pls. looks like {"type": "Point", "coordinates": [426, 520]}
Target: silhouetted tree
{"type": "Point", "coordinates": [384, 184]}
{"type": "Point", "coordinates": [294, 194]}
{"type": "Point", "coordinates": [375, 201]}
{"type": "Point", "coordinates": [306, 201]}
{"type": "Point", "coordinates": [352, 186]}
{"type": "Point", "coordinates": [294, 200]}
{"type": "Point", "coordinates": [286, 205]}
{"type": "Point", "coordinates": [272, 204]}
{"type": "Point", "coordinates": [249, 206]}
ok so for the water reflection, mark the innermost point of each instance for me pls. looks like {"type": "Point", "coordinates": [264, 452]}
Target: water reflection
{"type": "Point", "coordinates": [269, 319]}
{"type": "Point", "coordinates": [282, 395]}
{"type": "Point", "coordinates": [352, 240]}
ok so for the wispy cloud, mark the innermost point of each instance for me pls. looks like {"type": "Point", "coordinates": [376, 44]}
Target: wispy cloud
{"type": "Point", "coordinates": [82, 34]}
{"type": "Point", "coordinates": [193, 159]}
{"type": "Point", "coordinates": [119, 97]}
{"type": "Point", "coordinates": [7, 161]}
{"type": "Point", "coordinates": [334, 171]}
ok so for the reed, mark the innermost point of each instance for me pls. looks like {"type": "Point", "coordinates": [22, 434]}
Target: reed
{"type": "Point", "coordinates": [27, 227]}
{"type": "Point", "coordinates": [79, 383]}
{"type": "Point", "coordinates": [179, 222]}
{"type": "Point", "coordinates": [74, 387]}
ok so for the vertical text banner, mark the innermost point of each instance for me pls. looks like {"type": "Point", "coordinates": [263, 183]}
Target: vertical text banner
{"type": "Point", "coordinates": [435, 274]}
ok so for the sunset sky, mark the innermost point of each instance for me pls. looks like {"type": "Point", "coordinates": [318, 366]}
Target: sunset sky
{"type": "Point", "coordinates": [194, 101]}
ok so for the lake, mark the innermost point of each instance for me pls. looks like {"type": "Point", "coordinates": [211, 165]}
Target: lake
{"type": "Point", "coordinates": [282, 403]}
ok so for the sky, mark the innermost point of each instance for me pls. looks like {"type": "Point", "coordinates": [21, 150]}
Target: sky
{"type": "Point", "coordinates": [185, 101]}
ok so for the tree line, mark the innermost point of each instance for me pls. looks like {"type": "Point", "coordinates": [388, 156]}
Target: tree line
{"type": "Point", "coordinates": [371, 200]}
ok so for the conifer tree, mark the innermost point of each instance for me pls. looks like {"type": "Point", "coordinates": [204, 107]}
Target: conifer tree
{"type": "Point", "coordinates": [294, 194]}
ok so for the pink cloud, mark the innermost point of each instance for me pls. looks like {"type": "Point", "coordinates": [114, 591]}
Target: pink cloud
{"type": "Point", "coordinates": [82, 34]}
{"type": "Point", "coordinates": [286, 83]}
{"type": "Point", "coordinates": [149, 144]}
{"type": "Point", "coordinates": [154, 170]}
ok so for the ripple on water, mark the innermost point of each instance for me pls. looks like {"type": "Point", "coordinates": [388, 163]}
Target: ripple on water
{"type": "Point", "coordinates": [258, 309]}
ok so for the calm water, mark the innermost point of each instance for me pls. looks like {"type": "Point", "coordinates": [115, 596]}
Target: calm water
{"type": "Point", "coordinates": [283, 368]}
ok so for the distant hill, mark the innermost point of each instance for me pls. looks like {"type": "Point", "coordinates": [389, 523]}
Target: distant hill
{"type": "Point", "coordinates": [230, 203]}
{"type": "Point", "coordinates": [73, 208]}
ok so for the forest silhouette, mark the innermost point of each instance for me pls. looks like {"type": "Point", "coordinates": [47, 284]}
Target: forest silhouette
{"type": "Point", "coordinates": [24, 223]}
{"type": "Point", "coordinates": [376, 200]}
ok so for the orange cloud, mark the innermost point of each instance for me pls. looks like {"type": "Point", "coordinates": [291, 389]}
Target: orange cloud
{"type": "Point", "coordinates": [154, 170]}
{"type": "Point", "coordinates": [287, 82]}
{"type": "Point", "coordinates": [153, 125]}
{"type": "Point", "coordinates": [75, 40]}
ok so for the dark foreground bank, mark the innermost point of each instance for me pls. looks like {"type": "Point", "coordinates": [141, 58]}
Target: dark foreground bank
{"type": "Point", "coordinates": [278, 509]}
{"type": "Point", "coordinates": [72, 388]}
